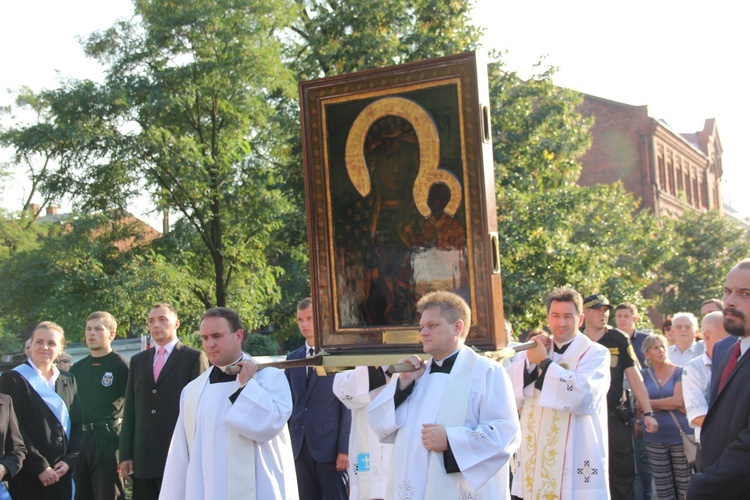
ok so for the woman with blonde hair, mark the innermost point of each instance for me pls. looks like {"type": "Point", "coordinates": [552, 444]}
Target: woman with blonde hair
{"type": "Point", "coordinates": [49, 417]}
{"type": "Point", "coordinates": [663, 381]}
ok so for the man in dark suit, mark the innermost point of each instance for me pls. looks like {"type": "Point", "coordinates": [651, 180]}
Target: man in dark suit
{"type": "Point", "coordinates": [152, 401]}
{"type": "Point", "coordinates": [319, 425]}
{"type": "Point", "coordinates": [725, 434]}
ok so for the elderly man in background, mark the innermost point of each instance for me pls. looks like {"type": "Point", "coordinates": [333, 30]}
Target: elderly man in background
{"type": "Point", "coordinates": [685, 348]}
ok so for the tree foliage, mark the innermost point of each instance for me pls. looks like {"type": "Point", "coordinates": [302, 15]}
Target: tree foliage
{"type": "Point", "coordinates": [336, 37]}
{"type": "Point", "coordinates": [554, 232]}
{"type": "Point", "coordinates": [703, 247]}
{"type": "Point", "coordinates": [94, 263]}
{"type": "Point", "coordinates": [261, 345]}
{"type": "Point", "coordinates": [198, 111]}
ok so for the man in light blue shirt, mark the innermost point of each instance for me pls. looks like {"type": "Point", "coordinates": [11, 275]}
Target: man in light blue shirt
{"type": "Point", "coordinates": [685, 348]}
{"type": "Point", "coordinates": [696, 376]}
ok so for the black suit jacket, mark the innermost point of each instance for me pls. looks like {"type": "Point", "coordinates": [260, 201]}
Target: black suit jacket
{"type": "Point", "coordinates": [43, 435]}
{"type": "Point", "coordinates": [152, 407]}
{"type": "Point", "coordinates": [317, 415]}
{"type": "Point", "coordinates": [14, 450]}
{"type": "Point", "coordinates": [725, 434]}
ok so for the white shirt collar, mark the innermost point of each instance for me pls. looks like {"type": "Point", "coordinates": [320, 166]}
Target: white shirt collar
{"type": "Point", "coordinates": [307, 348]}
{"type": "Point", "coordinates": [674, 347]}
{"type": "Point", "coordinates": [560, 346]}
{"type": "Point", "coordinates": [705, 359]}
{"type": "Point", "coordinates": [169, 346]}
{"type": "Point", "coordinates": [744, 345]}
{"type": "Point", "coordinates": [52, 379]}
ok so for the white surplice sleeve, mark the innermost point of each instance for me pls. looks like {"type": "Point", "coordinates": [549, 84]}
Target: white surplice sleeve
{"type": "Point", "coordinates": [579, 391]}
{"type": "Point", "coordinates": [385, 419]}
{"type": "Point", "coordinates": [353, 387]}
{"type": "Point", "coordinates": [516, 373]}
{"type": "Point", "coordinates": [263, 407]}
{"type": "Point", "coordinates": [491, 433]}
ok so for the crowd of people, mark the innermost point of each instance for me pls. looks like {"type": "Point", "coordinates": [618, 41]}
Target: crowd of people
{"type": "Point", "coordinates": [588, 412]}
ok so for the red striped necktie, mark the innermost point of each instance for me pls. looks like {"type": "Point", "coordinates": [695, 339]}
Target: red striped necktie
{"type": "Point", "coordinates": [731, 363]}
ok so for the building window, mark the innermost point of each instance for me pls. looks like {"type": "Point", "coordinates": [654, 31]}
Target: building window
{"type": "Point", "coordinates": [688, 190]}
{"type": "Point", "coordinates": [671, 179]}
{"type": "Point", "coordinates": [697, 193]}
{"type": "Point", "coordinates": [662, 175]}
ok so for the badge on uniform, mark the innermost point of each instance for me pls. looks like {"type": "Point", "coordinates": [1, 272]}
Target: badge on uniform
{"type": "Point", "coordinates": [107, 379]}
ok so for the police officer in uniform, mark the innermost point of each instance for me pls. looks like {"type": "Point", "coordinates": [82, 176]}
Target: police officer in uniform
{"type": "Point", "coordinates": [102, 378]}
{"type": "Point", "coordinates": [596, 309]}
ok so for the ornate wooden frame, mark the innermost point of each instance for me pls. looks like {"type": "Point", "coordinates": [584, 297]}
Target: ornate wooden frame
{"type": "Point", "coordinates": [370, 229]}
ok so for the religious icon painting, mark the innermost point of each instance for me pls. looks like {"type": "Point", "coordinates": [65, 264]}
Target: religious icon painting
{"type": "Point", "coordinates": [400, 196]}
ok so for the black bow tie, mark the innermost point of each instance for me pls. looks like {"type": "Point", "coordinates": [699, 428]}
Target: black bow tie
{"type": "Point", "coordinates": [446, 367]}
{"type": "Point", "coordinates": [562, 349]}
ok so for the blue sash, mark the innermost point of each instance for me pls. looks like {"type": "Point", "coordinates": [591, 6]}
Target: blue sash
{"type": "Point", "coordinates": [50, 397]}
{"type": "Point", "coordinates": [4, 495]}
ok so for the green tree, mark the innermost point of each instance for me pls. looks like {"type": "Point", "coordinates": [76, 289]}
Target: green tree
{"type": "Point", "coordinates": [261, 345]}
{"type": "Point", "coordinates": [198, 110]}
{"type": "Point", "coordinates": [94, 263]}
{"type": "Point", "coordinates": [9, 341]}
{"type": "Point", "coordinates": [703, 247]}
{"type": "Point", "coordinates": [34, 152]}
{"type": "Point", "coordinates": [554, 232]}
{"type": "Point", "coordinates": [17, 232]}
{"type": "Point", "coordinates": [190, 87]}
{"type": "Point", "coordinates": [336, 37]}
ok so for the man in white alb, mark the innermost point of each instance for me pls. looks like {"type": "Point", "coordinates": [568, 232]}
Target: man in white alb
{"type": "Point", "coordinates": [231, 440]}
{"type": "Point", "coordinates": [452, 420]}
{"type": "Point", "coordinates": [368, 458]}
{"type": "Point", "coordinates": [561, 386]}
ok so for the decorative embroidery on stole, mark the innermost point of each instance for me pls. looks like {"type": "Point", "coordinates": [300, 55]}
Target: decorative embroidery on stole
{"type": "Point", "coordinates": [544, 458]}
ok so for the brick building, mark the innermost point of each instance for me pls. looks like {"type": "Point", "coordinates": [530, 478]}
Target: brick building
{"type": "Point", "coordinates": [670, 172]}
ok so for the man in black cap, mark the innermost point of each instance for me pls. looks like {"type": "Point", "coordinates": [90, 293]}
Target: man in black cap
{"type": "Point", "coordinates": [623, 362]}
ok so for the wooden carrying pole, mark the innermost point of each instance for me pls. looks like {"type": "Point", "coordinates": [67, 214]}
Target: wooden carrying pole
{"type": "Point", "coordinates": [326, 363]}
